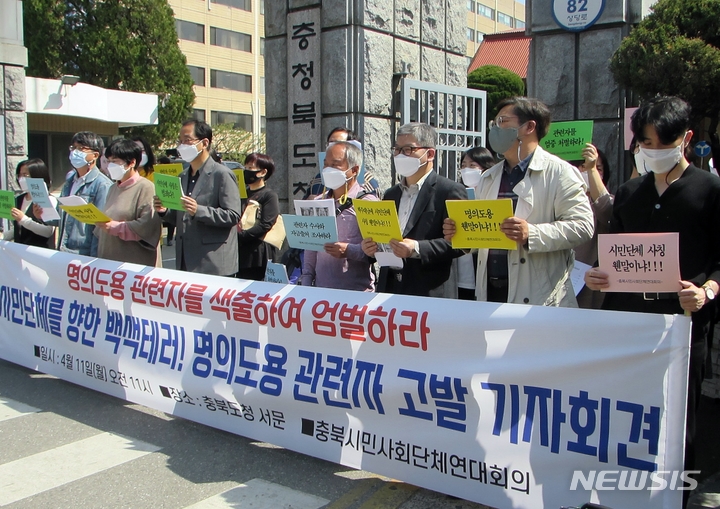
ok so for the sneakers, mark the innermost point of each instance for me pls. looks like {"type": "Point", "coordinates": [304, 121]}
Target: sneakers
{"type": "Point", "coordinates": [169, 242]}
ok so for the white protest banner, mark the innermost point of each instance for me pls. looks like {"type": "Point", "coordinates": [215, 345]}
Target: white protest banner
{"type": "Point", "coordinates": [501, 404]}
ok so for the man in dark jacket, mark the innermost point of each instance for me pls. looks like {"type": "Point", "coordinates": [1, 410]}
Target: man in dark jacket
{"type": "Point", "coordinates": [420, 199]}
{"type": "Point", "coordinates": [206, 234]}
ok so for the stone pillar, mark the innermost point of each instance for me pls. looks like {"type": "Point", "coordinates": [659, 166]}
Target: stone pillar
{"type": "Point", "coordinates": [365, 47]}
{"type": "Point", "coordinates": [569, 71]}
{"type": "Point", "coordinates": [13, 121]}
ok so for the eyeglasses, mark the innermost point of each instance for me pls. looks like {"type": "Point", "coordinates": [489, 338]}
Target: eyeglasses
{"type": "Point", "coordinates": [501, 120]}
{"type": "Point", "coordinates": [186, 142]}
{"type": "Point", "coordinates": [81, 149]}
{"type": "Point", "coordinates": [406, 150]}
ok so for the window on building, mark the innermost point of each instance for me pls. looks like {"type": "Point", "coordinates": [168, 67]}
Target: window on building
{"type": "Point", "coordinates": [262, 46]}
{"type": "Point", "coordinates": [504, 19]}
{"type": "Point", "coordinates": [188, 31]}
{"type": "Point", "coordinates": [519, 23]}
{"type": "Point", "coordinates": [199, 115]}
{"type": "Point", "coordinates": [230, 80]}
{"type": "Point", "coordinates": [262, 85]}
{"type": "Point", "coordinates": [230, 39]}
{"type": "Point", "coordinates": [480, 36]}
{"type": "Point", "coordinates": [486, 11]}
{"type": "Point", "coordinates": [471, 5]}
{"type": "Point", "coordinates": [239, 120]}
{"type": "Point", "coordinates": [245, 5]}
{"type": "Point", "coordinates": [262, 7]}
{"type": "Point", "coordinates": [198, 75]}
{"type": "Point", "coordinates": [471, 34]}
{"type": "Point", "coordinates": [263, 124]}
{"type": "Point", "coordinates": [469, 61]}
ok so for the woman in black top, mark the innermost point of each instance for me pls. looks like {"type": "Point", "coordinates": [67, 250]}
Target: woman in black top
{"type": "Point", "coordinates": [28, 228]}
{"type": "Point", "coordinates": [253, 252]}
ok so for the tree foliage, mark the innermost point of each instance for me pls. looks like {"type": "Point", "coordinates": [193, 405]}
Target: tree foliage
{"type": "Point", "coordinates": [235, 144]}
{"type": "Point", "coordinates": [498, 82]}
{"type": "Point", "coordinates": [675, 51]}
{"type": "Point", "coordinates": [118, 44]}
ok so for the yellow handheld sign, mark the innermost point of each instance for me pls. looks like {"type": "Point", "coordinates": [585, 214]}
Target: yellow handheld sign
{"type": "Point", "coordinates": [88, 214]}
{"type": "Point", "coordinates": [378, 220]}
{"type": "Point", "coordinates": [477, 223]}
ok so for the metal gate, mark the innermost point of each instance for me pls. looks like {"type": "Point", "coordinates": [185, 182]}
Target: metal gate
{"type": "Point", "coordinates": [458, 115]}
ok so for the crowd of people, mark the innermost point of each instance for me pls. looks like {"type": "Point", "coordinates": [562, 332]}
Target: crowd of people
{"type": "Point", "coordinates": [559, 211]}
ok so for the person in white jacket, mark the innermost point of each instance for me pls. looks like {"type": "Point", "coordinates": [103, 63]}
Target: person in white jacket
{"type": "Point", "coordinates": [552, 212]}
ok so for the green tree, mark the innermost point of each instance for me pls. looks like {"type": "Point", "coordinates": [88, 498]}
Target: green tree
{"type": "Point", "coordinates": [498, 82]}
{"type": "Point", "coordinates": [234, 144]}
{"type": "Point", "coordinates": [118, 44]}
{"type": "Point", "coordinates": [675, 50]}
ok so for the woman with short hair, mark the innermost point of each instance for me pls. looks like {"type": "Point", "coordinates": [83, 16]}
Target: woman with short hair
{"type": "Point", "coordinates": [133, 234]}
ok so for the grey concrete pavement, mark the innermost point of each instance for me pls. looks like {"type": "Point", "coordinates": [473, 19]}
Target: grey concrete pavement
{"type": "Point", "coordinates": [64, 446]}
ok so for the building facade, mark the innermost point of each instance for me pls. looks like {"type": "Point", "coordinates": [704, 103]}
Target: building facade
{"type": "Point", "coordinates": [489, 17]}
{"type": "Point", "coordinates": [224, 42]}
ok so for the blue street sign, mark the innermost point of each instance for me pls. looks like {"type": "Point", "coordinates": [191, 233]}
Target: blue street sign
{"type": "Point", "coordinates": [702, 149]}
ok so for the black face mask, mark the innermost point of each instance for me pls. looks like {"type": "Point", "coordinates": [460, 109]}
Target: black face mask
{"type": "Point", "coordinates": [251, 176]}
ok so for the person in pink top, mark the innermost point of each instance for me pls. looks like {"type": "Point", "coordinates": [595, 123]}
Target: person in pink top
{"type": "Point", "coordinates": [133, 234]}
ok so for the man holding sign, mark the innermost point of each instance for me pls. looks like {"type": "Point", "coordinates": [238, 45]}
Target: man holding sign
{"type": "Point", "coordinates": [206, 238]}
{"type": "Point", "coordinates": [420, 200]}
{"type": "Point", "coordinates": [671, 196]}
{"type": "Point", "coordinates": [552, 212]}
{"type": "Point", "coordinates": [88, 183]}
{"type": "Point", "coordinates": [341, 264]}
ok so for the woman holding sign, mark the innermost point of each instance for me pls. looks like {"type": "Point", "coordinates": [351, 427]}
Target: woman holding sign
{"type": "Point", "coordinates": [134, 233]}
{"type": "Point", "coordinates": [260, 212]}
{"type": "Point", "coordinates": [27, 226]}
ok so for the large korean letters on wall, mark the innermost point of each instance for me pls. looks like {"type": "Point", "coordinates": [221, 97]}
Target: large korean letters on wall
{"type": "Point", "coordinates": [499, 404]}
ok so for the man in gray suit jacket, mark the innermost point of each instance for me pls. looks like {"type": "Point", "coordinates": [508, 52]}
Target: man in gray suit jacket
{"type": "Point", "coordinates": [206, 235]}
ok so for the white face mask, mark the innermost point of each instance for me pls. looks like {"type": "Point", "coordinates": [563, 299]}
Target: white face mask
{"type": "Point", "coordinates": [333, 178]}
{"type": "Point", "coordinates": [407, 166]}
{"type": "Point", "coordinates": [22, 182]}
{"type": "Point", "coordinates": [188, 153]}
{"type": "Point", "coordinates": [116, 171]}
{"type": "Point", "coordinates": [143, 160]}
{"type": "Point", "coordinates": [659, 161]}
{"type": "Point", "coordinates": [470, 176]}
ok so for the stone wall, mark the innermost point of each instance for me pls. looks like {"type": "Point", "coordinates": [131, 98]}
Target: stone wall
{"type": "Point", "coordinates": [13, 108]}
{"type": "Point", "coordinates": [13, 60]}
{"type": "Point", "coordinates": [365, 45]}
{"type": "Point", "coordinates": [570, 72]}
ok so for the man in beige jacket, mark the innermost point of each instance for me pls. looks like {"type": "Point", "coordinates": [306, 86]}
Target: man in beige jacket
{"type": "Point", "coordinates": [552, 212]}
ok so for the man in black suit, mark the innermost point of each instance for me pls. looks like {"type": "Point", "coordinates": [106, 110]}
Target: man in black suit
{"type": "Point", "coordinates": [420, 200]}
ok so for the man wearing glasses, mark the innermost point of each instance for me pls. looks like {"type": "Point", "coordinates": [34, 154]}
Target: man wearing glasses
{"type": "Point", "coordinates": [420, 200]}
{"type": "Point", "coordinates": [206, 240]}
{"type": "Point", "coordinates": [87, 182]}
{"type": "Point", "coordinates": [552, 212]}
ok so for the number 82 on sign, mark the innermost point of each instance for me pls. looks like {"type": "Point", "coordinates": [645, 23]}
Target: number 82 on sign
{"type": "Point", "coordinates": [577, 15]}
